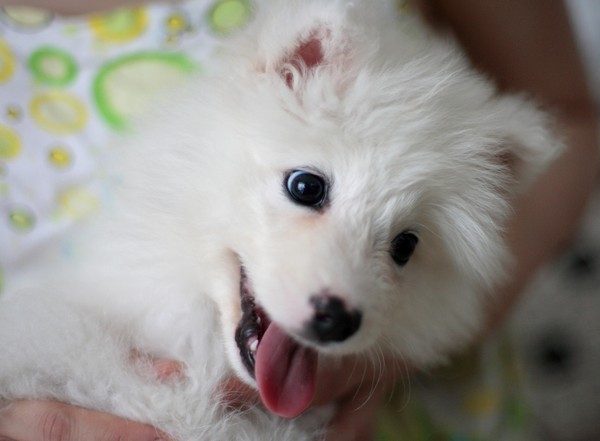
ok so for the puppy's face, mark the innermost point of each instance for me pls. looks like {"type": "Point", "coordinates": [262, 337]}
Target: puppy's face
{"type": "Point", "coordinates": [372, 196]}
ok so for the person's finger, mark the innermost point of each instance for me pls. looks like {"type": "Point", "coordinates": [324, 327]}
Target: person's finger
{"type": "Point", "coordinates": [29, 420]}
{"type": "Point", "coordinates": [356, 415]}
{"type": "Point", "coordinates": [357, 385]}
{"type": "Point", "coordinates": [160, 369]}
{"type": "Point", "coordinates": [234, 394]}
{"type": "Point", "coordinates": [338, 378]}
{"type": "Point", "coordinates": [167, 370]}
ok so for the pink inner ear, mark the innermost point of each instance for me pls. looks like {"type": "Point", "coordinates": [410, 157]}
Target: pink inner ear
{"type": "Point", "coordinates": [306, 56]}
{"type": "Point", "coordinates": [310, 53]}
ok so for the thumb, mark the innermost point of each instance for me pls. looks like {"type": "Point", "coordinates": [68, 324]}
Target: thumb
{"type": "Point", "coordinates": [53, 421]}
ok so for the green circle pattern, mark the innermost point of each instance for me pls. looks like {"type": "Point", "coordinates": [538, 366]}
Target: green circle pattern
{"type": "Point", "coordinates": [101, 96]}
{"type": "Point", "coordinates": [52, 66]}
{"type": "Point", "coordinates": [226, 16]}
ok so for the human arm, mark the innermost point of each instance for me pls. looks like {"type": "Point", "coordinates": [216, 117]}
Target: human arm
{"type": "Point", "coordinates": [529, 47]}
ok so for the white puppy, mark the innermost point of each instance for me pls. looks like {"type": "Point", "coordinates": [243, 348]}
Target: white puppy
{"type": "Point", "coordinates": [337, 185]}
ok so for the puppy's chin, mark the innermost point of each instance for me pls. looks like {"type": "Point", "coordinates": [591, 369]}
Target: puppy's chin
{"type": "Point", "coordinates": [238, 367]}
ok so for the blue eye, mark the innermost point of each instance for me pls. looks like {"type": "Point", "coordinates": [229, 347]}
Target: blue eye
{"type": "Point", "coordinates": [306, 188]}
{"type": "Point", "coordinates": [403, 247]}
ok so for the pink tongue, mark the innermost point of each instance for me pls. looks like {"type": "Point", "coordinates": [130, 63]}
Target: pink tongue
{"type": "Point", "coordinates": [285, 373]}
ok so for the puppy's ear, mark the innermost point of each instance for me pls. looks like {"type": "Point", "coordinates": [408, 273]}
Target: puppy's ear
{"type": "Point", "coordinates": [302, 60]}
{"type": "Point", "coordinates": [300, 40]}
{"type": "Point", "coordinates": [321, 50]}
{"type": "Point", "coordinates": [531, 142]}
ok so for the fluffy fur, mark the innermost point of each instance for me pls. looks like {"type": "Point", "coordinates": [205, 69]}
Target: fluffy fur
{"type": "Point", "coordinates": [409, 137]}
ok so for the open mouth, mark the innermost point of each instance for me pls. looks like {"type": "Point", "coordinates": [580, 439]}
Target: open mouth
{"type": "Point", "coordinates": [252, 325]}
{"type": "Point", "coordinates": [285, 371]}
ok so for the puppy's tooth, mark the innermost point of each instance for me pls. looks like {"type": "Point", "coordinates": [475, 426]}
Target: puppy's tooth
{"type": "Point", "coordinates": [253, 346]}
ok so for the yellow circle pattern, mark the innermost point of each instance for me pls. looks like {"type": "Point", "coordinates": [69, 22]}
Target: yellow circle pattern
{"type": "Point", "coordinates": [10, 143]}
{"type": "Point", "coordinates": [482, 402]}
{"type": "Point", "coordinates": [78, 202]}
{"type": "Point", "coordinates": [119, 26]}
{"type": "Point", "coordinates": [21, 220]}
{"type": "Point", "coordinates": [59, 112]}
{"type": "Point", "coordinates": [13, 113]}
{"type": "Point", "coordinates": [177, 23]}
{"type": "Point", "coordinates": [7, 63]}
{"type": "Point", "coordinates": [26, 18]}
{"type": "Point", "coordinates": [60, 157]}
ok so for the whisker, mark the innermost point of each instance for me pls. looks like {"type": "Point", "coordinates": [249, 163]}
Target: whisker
{"type": "Point", "coordinates": [400, 368]}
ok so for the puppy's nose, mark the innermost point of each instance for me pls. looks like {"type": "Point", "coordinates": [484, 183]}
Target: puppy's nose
{"type": "Point", "coordinates": [332, 321]}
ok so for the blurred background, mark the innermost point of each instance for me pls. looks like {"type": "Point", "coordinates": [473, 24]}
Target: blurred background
{"type": "Point", "coordinates": [557, 327]}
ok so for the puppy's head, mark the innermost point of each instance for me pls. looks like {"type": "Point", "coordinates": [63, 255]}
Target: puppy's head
{"type": "Point", "coordinates": [372, 179]}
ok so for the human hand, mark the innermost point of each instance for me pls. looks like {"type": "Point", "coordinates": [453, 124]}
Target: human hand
{"type": "Point", "coordinates": [29, 420]}
{"type": "Point", "coordinates": [358, 386]}
{"type": "Point", "coordinates": [40, 420]}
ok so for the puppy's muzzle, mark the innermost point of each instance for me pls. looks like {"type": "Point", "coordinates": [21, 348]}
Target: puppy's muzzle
{"type": "Point", "coordinates": [332, 320]}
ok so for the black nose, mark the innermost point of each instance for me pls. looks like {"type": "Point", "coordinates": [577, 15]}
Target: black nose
{"type": "Point", "coordinates": [332, 321]}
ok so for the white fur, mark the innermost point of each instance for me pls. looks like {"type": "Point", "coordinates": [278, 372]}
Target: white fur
{"type": "Point", "coordinates": [408, 134]}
